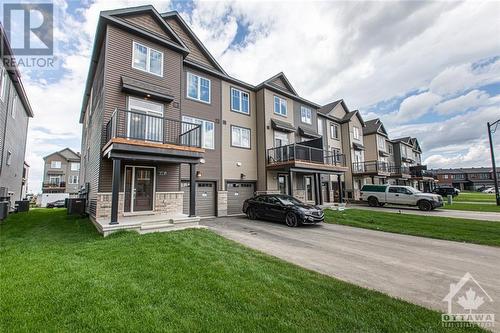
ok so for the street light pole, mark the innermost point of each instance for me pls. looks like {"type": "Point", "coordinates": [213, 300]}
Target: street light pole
{"type": "Point", "coordinates": [495, 177]}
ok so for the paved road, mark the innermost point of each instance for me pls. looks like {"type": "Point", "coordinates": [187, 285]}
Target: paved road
{"type": "Point", "coordinates": [416, 269]}
{"type": "Point", "coordinates": [485, 216]}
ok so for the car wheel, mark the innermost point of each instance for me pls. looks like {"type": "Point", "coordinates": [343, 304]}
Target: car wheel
{"type": "Point", "coordinates": [424, 205]}
{"type": "Point", "coordinates": [291, 220]}
{"type": "Point", "coordinates": [251, 213]}
{"type": "Point", "coordinates": [372, 202]}
{"type": "Point", "coordinates": [381, 204]}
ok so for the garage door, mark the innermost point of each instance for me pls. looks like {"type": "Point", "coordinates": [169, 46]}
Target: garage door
{"type": "Point", "coordinates": [236, 194]}
{"type": "Point", "coordinates": [205, 198]}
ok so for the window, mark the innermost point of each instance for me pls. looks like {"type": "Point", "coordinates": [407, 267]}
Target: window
{"type": "Point", "coordinates": [198, 88]}
{"type": "Point", "coordinates": [3, 80]}
{"type": "Point", "coordinates": [305, 115]}
{"type": "Point", "coordinates": [355, 133]}
{"type": "Point", "coordinates": [445, 176]}
{"type": "Point", "coordinates": [390, 148]}
{"type": "Point", "coordinates": [381, 142]}
{"type": "Point", "coordinates": [9, 158]}
{"type": "Point", "coordinates": [54, 180]}
{"type": "Point", "coordinates": [280, 106]}
{"type": "Point", "coordinates": [207, 131]}
{"type": "Point", "coordinates": [147, 59]}
{"type": "Point", "coordinates": [75, 166]}
{"type": "Point", "coordinates": [73, 179]}
{"type": "Point", "coordinates": [240, 137]}
{"type": "Point", "coordinates": [320, 126]}
{"type": "Point", "coordinates": [280, 139]}
{"type": "Point", "coordinates": [334, 131]}
{"type": "Point", "coordinates": [55, 164]}
{"type": "Point", "coordinates": [13, 110]}
{"type": "Point", "coordinates": [240, 101]}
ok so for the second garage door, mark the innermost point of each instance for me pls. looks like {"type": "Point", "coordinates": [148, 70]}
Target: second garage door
{"type": "Point", "coordinates": [205, 198]}
{"type": "Point", "coordinates": [237, 193]}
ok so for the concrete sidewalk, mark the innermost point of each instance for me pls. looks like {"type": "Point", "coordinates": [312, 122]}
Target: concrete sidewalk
{"type": "Point", "coordinates": [485, 216]}
{"type": "Point", "coordinates": [415, 269]}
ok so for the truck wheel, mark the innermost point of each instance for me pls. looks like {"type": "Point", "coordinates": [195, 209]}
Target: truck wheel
{"type": "Point", "coordinates": [424, 205]}
{"type": "Point", "coordinates": [381, 204]}
{"type": "Point", "coordinates": [372, 202]}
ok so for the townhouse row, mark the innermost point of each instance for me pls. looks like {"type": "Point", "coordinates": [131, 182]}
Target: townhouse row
{"type": "Point", "coordinates": [161, 117]}
{"type": "Point", "coordinates": [472, 179]}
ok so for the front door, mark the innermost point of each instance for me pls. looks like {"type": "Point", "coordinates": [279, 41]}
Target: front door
{"type": "Point", "coordinates": [139, 189]}
{"type": "Point", "coordinates": [308, 188]}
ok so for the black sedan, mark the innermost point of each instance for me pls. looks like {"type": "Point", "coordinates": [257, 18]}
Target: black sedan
{"type": "Point", "coordinates": [445, 191]}
{"type": "Point", "coordinates": [283, 208]}
{"type": "Point", "coordinates": [56, 204]}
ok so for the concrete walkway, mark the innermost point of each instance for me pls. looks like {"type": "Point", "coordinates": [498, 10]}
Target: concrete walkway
{"type": "Point", "coordinates": [415, 269]}
{"type": "Point", "coordinates": [485, 216]}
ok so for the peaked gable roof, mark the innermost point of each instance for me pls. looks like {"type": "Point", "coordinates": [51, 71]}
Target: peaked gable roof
{"type": "Point", "coordinates": [325, 109]}
{"type": "Point", "coordinates": [199, 54]}
{"type": "Point", "coordinates": [373, 126]}
{"type": "Point", "coordinates": [66, 153]}
{"type": "Point", "coordinates": [279, 81]}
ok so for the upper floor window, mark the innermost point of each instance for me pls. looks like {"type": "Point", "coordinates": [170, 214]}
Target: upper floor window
{"type": "Point", "coordinates": [320, 126]}
{"type": "Point", "coordinates": [280, 106]}
{"type": "Point", "coordinates": [9, 158]}
{"type": "Point", "coordinates": [305, 115]}
{"type": "Point", "coordinates": [381, 142]}
{"type": "Point", "coordinates": [147, 59]}
{"type": "Point", "coordinates": [445, 176]}
{"type": "Point", "coordinates": [73, 179]}
{"type": "Point", "coordinates": [75, 166]}
{"type": "Point", "coordinates": [334, 131]}
{"type": "Point", "coordinates": [240, 101]}
{"type": "Point", "coordinates": [198, 88]}
{"type": "Point", "coordinates": [207, 131]}
{"type": "Point", "coordinates": [55, 164]}
{"type": "Point", "coordinates": [240, 137]}
{"type": "Point", "coordinates": [13, 110]}
{"type": "Point", "coordinates": [3, 80]}
{"type": "Point", "coordinates": [390, 149]}
{"type": "Point", "coordinates": [355, 133]}
{"type": "Point", "coordinates": [280, 139]}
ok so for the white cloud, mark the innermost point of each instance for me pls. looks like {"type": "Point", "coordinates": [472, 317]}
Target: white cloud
{"type": "Point", "coordinates": [473, 99]}
{"type": "Point", "coordinates": [415, 106]}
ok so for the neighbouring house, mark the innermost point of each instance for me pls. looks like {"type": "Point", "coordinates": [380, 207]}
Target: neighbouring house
{"type": "Point", "coordinates": [466, 178]}
{"type": "Point", "coordinates": [15, 111]}
{"type": "Point", "coordinates": [61, 172]}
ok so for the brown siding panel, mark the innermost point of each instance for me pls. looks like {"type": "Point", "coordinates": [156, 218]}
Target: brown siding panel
{"type": "Point", "coordinates": [147, 22]}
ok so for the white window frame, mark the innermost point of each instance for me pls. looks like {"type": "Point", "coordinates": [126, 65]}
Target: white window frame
{"type": "Point", "coordinates": [281, 102]}
{"type": "Point", "coordinates": [52, 163]}
{"type": "Point", "coordinates": [75, 166]}
{"type": "Point", "coordinates": [305, 115]}
{"type": "Point", "coordinates": [355, 133]}
{"type": "Point", "coordinates": [334, 134]}
{"type": "Point", "coordinates": [148, 59]}
{"type": "Point", "coordinates": [3, 81]}
{"type": "Point", "coordinates": [8, 160]}
{"type": "Point", "coordinates": [198, 88]}
{"type": "Point", "coordinates": [55, 182]}
{"type": "Point", "coordinates": [73, 179]}
{"type": "Point", "coordinates": [282, 136]}
{"type": "Point", "coordinates": [202, 123]}
{"type": "Point", "coordinates": [241, 130]}
{"type": "Point", "coordinates": [381, 142]}
{"type": "Point", "coordinates": [241, 93]}
{"type": "Point", "coordinates": [146, 111]}
{"type": "Point", "coordinates": [320, 126]}
{"type": "Point", "coordinates": [13, 109]}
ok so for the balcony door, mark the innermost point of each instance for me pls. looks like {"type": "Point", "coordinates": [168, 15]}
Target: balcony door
{"type": "Point", "coordinates": [145, 120]}
{"type": "Point", "coordinates": [280, 141]}
{"type": "Point", "coordinates": [139, 189]}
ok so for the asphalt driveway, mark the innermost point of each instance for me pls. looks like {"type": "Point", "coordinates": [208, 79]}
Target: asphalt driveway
{"type": "Point", "coordinates": [415, 269]}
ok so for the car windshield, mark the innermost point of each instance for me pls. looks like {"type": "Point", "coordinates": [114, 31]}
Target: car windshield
{"type": "Point", "coordinates": [414, 190]}
{"type": "Point", "coordinates": [289, 201]}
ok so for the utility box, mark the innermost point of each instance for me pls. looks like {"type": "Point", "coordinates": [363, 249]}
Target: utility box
{"type": "Point", "coordinates": [76, 206]}
{"type": "Point", "coordinates": [4, 210]}
{"type": "Point", "coordinates": [450, 199]}
{"type": "Point", "coordinates": [23, 205]}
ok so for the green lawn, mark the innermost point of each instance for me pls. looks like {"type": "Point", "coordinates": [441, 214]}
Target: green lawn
{"type": "Point", "coordinates": [58, 275]}
{"type": "Point", "coordinates": [462, 230]}
{"type": "Point", "coordinates": [479, 207]}
{"type": "Point", "coordinates": [475, 197]}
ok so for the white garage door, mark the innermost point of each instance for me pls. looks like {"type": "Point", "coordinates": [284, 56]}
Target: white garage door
{"type": "Point", "coordinates": [237, 193]}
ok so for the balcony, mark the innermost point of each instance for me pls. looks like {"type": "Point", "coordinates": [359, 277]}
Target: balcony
{"type": "Point", "coordinates": [53, 187]}
{"type": "Point", "coordinates": [373, 168]}
{"type": "Point", "coordinates": [399, 171]}
{"type": "Point", "coordinates": [305, 157]}
{"type": "Point", "coordinates": [420, 172]}
{"type": "Point", "coordinates": [142, 133]}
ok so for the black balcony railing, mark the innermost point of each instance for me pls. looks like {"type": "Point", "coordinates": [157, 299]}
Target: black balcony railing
{"type": "Point", "coordinates": [399, 170]}
{"type": "Point", "coordinates": [298, 152]}
{"type": "Point", "coordinates": [420, 171]}
{"type": "Point", "coordinates": [54, 185]}
{"type": "Point", "coordinates": [373, 167]}
{"type": "Point", "coordinates": [136, 125]}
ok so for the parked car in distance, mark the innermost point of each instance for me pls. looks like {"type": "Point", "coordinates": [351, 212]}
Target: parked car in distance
{"type": "Point", "coordinates": [489, 190]}
{"type": "Point", "coordinates": [379, 195]}
{"type": "Point", "coordinates": [56, 204]}
{"type": "Point", "coordinates": [283, 208]}
{"type": "Point", "coordinates": [445, 191]}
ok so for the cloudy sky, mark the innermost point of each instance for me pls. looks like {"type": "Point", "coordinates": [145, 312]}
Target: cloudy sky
{"type": "Point", "coordinates": [427, 69]}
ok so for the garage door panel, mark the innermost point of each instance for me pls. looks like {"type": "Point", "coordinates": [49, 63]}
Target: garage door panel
{"type": "Point", "coordinates": [237, 193]}
{"type": "Point", "coordinates": [205, 198]}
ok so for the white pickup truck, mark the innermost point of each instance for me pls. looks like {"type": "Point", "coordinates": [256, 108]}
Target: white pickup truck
{"type": "Point", "coordinates": [379, 195]}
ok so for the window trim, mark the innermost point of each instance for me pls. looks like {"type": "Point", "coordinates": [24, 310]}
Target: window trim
{"type": "Point", "coordinates": [305, 108]}
{"type": "Point", "coordinates": [3, 78]}
{"type": "Point", "coordinates": [148, 59]}
{"type": "Point", "coordinates": [8, 160]}
{"type": "Point", "coordinates": [60, 165]}
{"type": "Point", "coordinates": [285, 103]}
{"type": "Point", "coordinates": [241, 92]}
{"type": "Point", "coordinates": [334, 125]}
{"type": "Point", "coordinates": [71, 178]}
{"type": "Point", "coordinates": [74, 163]}
{"type": "Point", "coordinates": [320, 128]}
{"type": "Point", "coordinates": [199, 88]}
{"type": "Point", "coordinates": [355, 130]}
{"type": "Point", "coordinates": [13, 109]}
{"type": "Point", "coordinates": [249, 136]}
{"type": "Point", "coordinates": [202, 127]}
